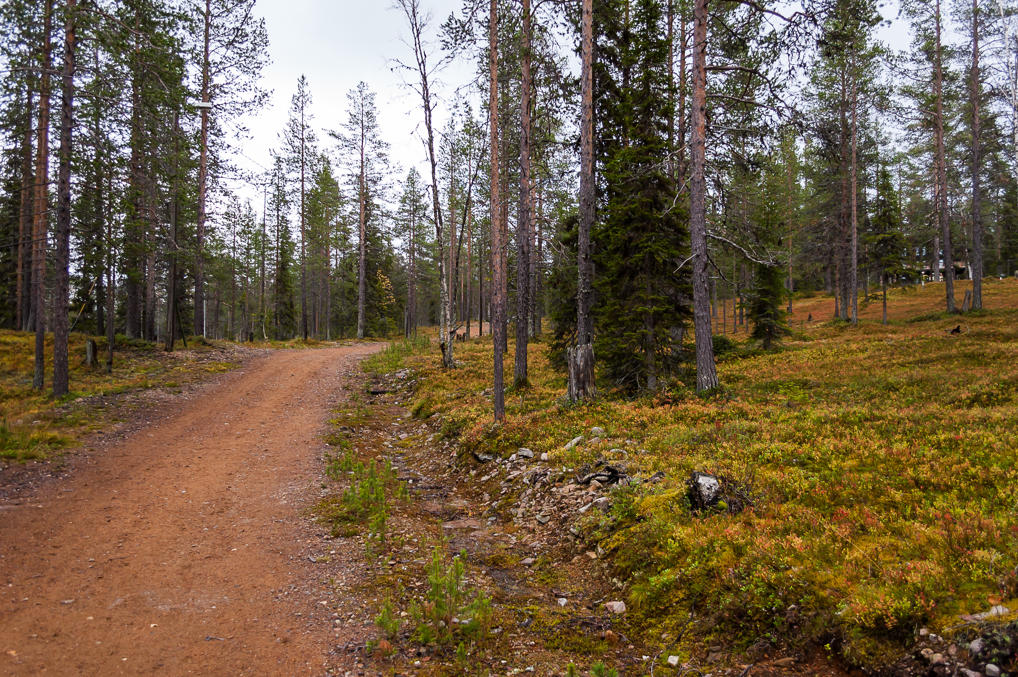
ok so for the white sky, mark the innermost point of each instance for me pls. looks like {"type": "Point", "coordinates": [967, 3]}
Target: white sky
{"type": "Point", "coordinates": [336, 44]}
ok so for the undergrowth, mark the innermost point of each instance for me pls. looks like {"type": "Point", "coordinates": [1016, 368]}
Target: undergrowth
{"type": "Point", "coordinates": [882, 462]}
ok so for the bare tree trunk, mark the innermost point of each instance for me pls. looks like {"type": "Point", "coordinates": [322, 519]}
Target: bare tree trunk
{"type": "Point", "coordinates": [362, 249]}
{"type": "Point", "coordinates": [61, 296]}
{"type": "Point", "coordinates": [683, 86]}
{"type": "Point", "coordinates": [39, 227]}
{"type": "Point", "coordinates": [449, 309]}
{"type": "Point", "coordinates": [581, 358]}
{"type": "Point", "coordinates": [411, 8]}
{"type": "Point", "coordinates": [261, 271]}
{"type": "Point", "coordinates": [706, 372]}
{"type": "Point", "coordinates": [171, 283]}
{"type": "Point", "coordinates": [976, 262]}
{"type": "Point", "coordinates": [468, 297]}
{"type": "Point", "coordinates": [525, 222]}
{"type": "Point", "coordinates": [536, 266]}
{"type": "Point", "coordinates": [941, 162]}
{"type": "Point", "coordinates": [498, 281]}
{"type": "Point", "coordinates": [303, 229]}
{"type": "Point", "coordinates": [854, 275]}
{"type": "Point", "coordinates": [24, 274]}
{"type": "Point", "coordinates": [203, 177]}
{"type": "Point", "coordinates": [791, 226]}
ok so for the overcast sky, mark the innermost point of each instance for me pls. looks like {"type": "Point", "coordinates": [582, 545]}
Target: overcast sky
{"type": "Point", "coordinates": [336, 44]}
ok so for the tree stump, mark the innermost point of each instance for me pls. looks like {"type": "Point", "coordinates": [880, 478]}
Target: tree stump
{"type": "Point", "coordinates": [581, 372]}
{"type": "Point", "coordinates": [91, 354]}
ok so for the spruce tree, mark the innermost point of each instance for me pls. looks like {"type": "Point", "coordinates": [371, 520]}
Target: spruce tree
{"type": "Point", "coordinates": [642, 292]}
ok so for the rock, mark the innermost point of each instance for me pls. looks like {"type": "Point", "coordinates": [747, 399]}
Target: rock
{"type": "Point", "coordinates": [927, 654]}
{"type": "Point", "coordinates": [924, 632]}
{"type": "Point", "coordinates": [597, 431]}
{"type": "Point", "coordinates": [991, 670]}
{"type": "Point", "coordinates": [562, 601]}
{"type": "Point", "coordinates": [976, 645]}
{"type": "Point", "coordinates": [704, 490]}
{"type": "Point", "coordinates": [482, 458]}
{"type": "Point", "coordinates": [544, 456]}
{"type": "Point", "coordinates": [528, 561]}
{"type": "Point", "coordinates": [591, 554]}
{"type": "Point", "coordinates": [594, 441]}
{"type": "Point", "coordinates": [965, 672]}
{"type": "Point", "coordinates": [615, 607]}
{"type": "Point", "coordinates": [603, 503]}
{"type": "Point", "coordinates": [937, 659]}
{"type": "Point", "coordinates": [574, 442]}
{"type": "Point", "coordinates": [511, 458]}
{"type": "Point", "coordinates": [543, 519]}
{"type": "Point", "coordinates": [673, 661]}
{"type": "Point", "coordinates": [523, 452]}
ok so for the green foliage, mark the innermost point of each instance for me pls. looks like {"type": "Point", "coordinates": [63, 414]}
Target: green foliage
{"type": "Point", "coordinates": [765, 311]}
{"type": "Point", "coordinates": [452, 611]}
{"type": "Point", "coordinates": [643, 297]}
{"type": "Point", "coordinates": [365, 502]}
{"type": "Point", "coordinates": [394, 356]}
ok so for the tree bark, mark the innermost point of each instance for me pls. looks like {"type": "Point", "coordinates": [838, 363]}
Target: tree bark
{"type": "Point", "coordinates": [497, 251]}
{"type": "Point", "coordinates": [854, 272]}
{"type": "Point", "coordinates": [525, 222]}
{"type": "Point", "coordinates": [941, 162]}
{"type": "Point", "coordinates": [24, 273]}
{"type": "Point", "coordinates": [61, 298]}
{"type": "Point", "coordinates": [706, 372]}
{"type": "Point", "coordinates": [362, 248]}
{"type": "Point", "coordinates": [41, 215]}
{"type": "Point", "coordinates": [581, 359]}
{"type": "Point", "coordinates": [203, 177]}
{"type": "Point", "coordinates": [976, 263]}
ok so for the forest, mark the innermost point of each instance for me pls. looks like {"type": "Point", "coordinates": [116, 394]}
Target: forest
{"type": "Point", "coordinates": [668, 157]}
{"type": "Point", "coordinates": [683, 340]}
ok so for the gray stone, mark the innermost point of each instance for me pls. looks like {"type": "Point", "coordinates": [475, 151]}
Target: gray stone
{"type": "Point", "coordinates": [562, 601]}
{"type": "Point", "coordinates": [615, 607]}
{"type": "Point", "coordinates": [705, 490]}
{"type": "Point", "coordinates": [597, 431]}
{"type": "Point", "coordinates": [574, 442]}
{"type": "Point", "coordinates": [991, 670]}
{"type": "Point", "coordinates": [528, 561]}
{"type": "Point", "coordinates": [544, 456]}
{"type": "Point", "coordinates": [523, 452]}
{"type": "Point", "coordinates": [965, 672]}
{"type": "Point", "coordinates": [976, 645]}
{"type": "Point", "coordinates": [543, 519]}
{"type": "Point", "coordinates": [673, 661]}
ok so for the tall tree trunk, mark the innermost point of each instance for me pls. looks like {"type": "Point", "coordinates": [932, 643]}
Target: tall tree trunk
{"type": "Point", "coordinates": [411, 8]}
{"type": "Point", "coordinates": [203, 176]}
{"type": "Point", "coordinates": [61, 298]}
{"type": "Point", "coordinates": [525, 222]}
{"type": "Point", "coordinates": [24, 274]}
{"type": "Point", "coordinates": [706, 372]}
{"type": "Point", "coordinates": [976, 263]}
{"type": "Point", "coordinates": [449, 309]}
{"type": "Point", "coordinates": [941, 162]}
{"type": "Point", "coordinates": [41, 216]}
{"type": "Point", "coordinates": [497, 247]}
{"type": "Point", "coordinates": [303, 231]}
{"type": "Point", "coordinates": [683, 86]}
{"type": "Point", "coordinates": [468, 297]}
{"type": "Point", "coordinates": [171, 283]}
{"type": "Point", "coordinates": [536, 265]}
{"type": "Point", "coordinates": [854, 275]}
{"type": "Point", "coordinates": [261, 267]}
{"type": "Point", "coordinates": [362, 248]}
{"type": "Point", "coordinates": [581, 358]}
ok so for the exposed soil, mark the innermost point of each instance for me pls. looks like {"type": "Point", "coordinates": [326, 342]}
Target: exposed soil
{"type": "Point", "coordinates": [183, 549]}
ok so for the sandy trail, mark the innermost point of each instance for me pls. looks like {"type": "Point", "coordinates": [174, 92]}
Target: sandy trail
{"type": "Point", "coordinates": [178, 550]}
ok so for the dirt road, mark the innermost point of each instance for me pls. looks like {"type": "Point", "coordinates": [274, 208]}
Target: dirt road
{"type": "Point", "coordinates": [178, 550]}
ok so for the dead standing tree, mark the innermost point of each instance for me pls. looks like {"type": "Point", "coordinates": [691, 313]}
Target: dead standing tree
{"type": "Point", "coordinates": [417, 23]}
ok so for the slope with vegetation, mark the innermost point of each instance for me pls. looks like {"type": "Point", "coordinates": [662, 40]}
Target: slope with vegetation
{"type": "Point", "coordinates": [875, 469]}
